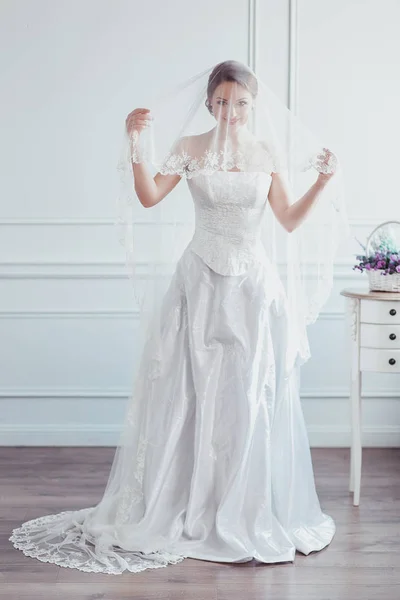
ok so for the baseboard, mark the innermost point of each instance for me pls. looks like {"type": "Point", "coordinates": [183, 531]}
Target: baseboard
{"type": "Point", "coordinates": [325, 436]}
{"type": "Point", "coordinates": [320, 436]}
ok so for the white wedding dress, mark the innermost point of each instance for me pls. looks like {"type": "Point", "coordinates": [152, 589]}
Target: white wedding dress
{"type": "Point", "coordinates": [219, 467]}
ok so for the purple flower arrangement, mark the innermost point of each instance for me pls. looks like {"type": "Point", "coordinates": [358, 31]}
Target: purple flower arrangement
{"type": "Point", "coordinates": [385, 257]}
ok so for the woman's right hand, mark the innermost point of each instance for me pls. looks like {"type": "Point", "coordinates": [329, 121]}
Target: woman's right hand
{"type": "Point", "coordinates": [138, 120]}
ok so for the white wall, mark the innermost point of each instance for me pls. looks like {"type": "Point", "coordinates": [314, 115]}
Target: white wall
{"type": "Point", "coordinates": [70, 74]}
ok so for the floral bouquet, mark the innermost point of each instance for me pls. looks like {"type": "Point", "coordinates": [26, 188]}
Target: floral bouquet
{"type": "Point", "coordinates": [381, 257]}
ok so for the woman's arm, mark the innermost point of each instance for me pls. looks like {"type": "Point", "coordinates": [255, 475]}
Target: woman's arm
{"type": "Point", "coordinates": [151, 190]}
{"type": "Point", "coordinates": [291, 215]}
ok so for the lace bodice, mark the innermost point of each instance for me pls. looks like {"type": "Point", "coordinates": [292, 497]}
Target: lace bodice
{"type": "Point", "coordinates": [229, 209]}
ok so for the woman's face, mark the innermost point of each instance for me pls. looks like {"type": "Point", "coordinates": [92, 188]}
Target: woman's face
{"type": "Point", "coordinates": [231, 104]}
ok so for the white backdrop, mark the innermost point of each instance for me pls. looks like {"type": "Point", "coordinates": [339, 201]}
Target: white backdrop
{"type": "Point", "coordinates": [71, 71]}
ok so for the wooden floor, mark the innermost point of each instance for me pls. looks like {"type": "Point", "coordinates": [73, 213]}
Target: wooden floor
{"type": "Point", "coordinates": [361, 563]}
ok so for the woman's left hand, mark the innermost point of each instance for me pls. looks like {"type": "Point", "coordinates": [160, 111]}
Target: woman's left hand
{"type": "Point", "coordinates": [326, 165]}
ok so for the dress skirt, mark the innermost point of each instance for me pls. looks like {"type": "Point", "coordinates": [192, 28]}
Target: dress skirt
{"type": "Point", "coordinates": [214, 462]}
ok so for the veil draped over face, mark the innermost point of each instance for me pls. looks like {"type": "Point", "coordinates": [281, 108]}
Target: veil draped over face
{"type": "Point", "coordinates": [226, 119]}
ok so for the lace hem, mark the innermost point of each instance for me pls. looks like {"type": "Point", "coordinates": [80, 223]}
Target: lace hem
{"type": "Point", "coordinates": [59, 539]}
{"type": "Point", "coordinates": [186, 165]}
{"type": "Point", "coordinates": [183, 163]}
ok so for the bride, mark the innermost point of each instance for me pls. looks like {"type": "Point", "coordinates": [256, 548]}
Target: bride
{"type": "Point", "coordinates": [214, 462]}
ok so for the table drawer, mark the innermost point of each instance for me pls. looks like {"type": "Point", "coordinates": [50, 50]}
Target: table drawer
{"type": "Point", "coordinates": [380, 311]}
{"type": "Point", "coordinates": [379, 336]}
{"type": "Point", "coordinates": [377, 359]}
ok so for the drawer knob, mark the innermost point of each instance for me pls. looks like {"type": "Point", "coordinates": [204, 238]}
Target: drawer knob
{"type": "Point", "coordinates": [392, 336]}
{"type": "Point", "coordinates": [392, 311]}
{"type": "Point", "coordinates": [392, 361]}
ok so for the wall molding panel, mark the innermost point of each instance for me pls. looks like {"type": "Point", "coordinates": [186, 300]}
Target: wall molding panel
{"type": "Point", "coordinates": [64, 393]}
{"type": "Point", "coordinates": [110, 270]}
{"type": "Point", "coordinates": [112, 314]}
{"type": "Point", "coordinates": [355, 221]}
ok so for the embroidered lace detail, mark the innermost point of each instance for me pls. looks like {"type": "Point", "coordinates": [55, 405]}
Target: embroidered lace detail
{"type": "Point", "coordinates": [60, 539]}
{"type": "Point", "coordinates": [136, 152]}
{"type": "Point", "coordinates": [322, 166]}
{"type": "Point", "coordinates": [223, 256]}
{"type": "Point", "coordinates": [228, 220]}
{"type": "Point", "coordinates": [132, 494]}
{"type": "Point", "coordinates": [184, 164]}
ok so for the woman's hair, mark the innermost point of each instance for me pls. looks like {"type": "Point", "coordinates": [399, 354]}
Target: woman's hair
{"type": "Point", "coordinates": [231, 70]}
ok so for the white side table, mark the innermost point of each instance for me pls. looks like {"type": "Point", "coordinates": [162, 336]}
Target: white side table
{"type": "Point", "coordinates": [374, 320]}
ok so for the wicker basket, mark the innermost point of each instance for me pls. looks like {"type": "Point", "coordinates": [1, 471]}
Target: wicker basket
{"type": "Point", "coordinates": [377, 281]}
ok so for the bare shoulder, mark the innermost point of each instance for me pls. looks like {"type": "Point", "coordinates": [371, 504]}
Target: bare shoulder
{"type": "Point", "coordinates": [192, 144]}
{"type": "Point", "coordinates": [275, 160]}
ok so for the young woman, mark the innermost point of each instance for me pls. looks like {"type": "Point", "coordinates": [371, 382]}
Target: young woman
{"type": "Point", "coordinates": [214, 461]}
